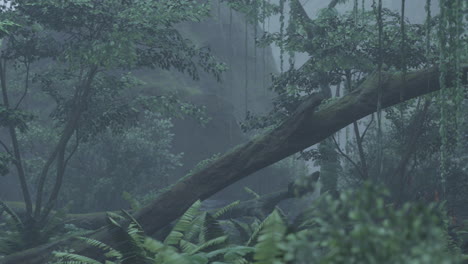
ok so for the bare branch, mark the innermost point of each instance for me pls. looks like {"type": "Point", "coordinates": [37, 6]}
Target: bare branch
{"type": "Point", "coordinates": [362, 156]}
{"type": "Point", "coordinates": [367, 127]}
{"type": "Point", "coordinates": [72, 152]}
{"type": "Point", "coordinates": [26, 87]}
{"type": "Point", "coordinates": [346, 156]}
{"type": "Point", "coordinates": [6, 148]}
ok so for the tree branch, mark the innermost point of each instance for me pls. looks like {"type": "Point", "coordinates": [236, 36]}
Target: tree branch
{"type": "Point", "coordinates": [367, 127]}
{"type": "Point", "coordinates": [6, 148]}
{"type": "Point", "coordinates": [362, 156]}
{"type": "Point", "coordinates": [59, 150]}
{"type": "Point", "coordinates": [26, 86]}
{"type": "Point", "coordinates": [355, 165]}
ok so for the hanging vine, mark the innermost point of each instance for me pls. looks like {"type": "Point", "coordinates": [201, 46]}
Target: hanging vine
{"type": "Point", "coordinates": [246, 76]}
{"type": "Point", "coordinates": [379, 94]}
{"type": "Point", "coordinates": [290, 32]}
{"type": "Point", "coordinates": [255, 32]}
{"type": "Point", "coordinates": [428, 30]}
{"type": "Point", "coordinates": [264, 3]}
{"type": "Point", "coordinates": [443, 94]}
{"type": "Point", "coordinates": [281, 33]}
{"type": "Point", "coordinates": [363, 7]}
{"type": "Point", "coordinates": [231, 79]}
{"type": "Point", "coordinates": [219, 11]}
{"type": "Point", "coordinates": [403, 49]}
{"type": "Point", "coordinates": [451, 92]}
{"type": "Point", "coordinates": [356, 11]}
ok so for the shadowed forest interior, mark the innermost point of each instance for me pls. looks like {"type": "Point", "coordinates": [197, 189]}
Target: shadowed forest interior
{"type": "Point", "coordinates": [233, 131]}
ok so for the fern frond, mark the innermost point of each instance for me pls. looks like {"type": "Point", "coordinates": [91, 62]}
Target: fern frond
{"type": "Point", "coordinates": [173, 238]}
{"type": "Point", "coordinates": [257, 227]}
{"type": "Point", "coordinates": [109, 251]}
{"type": "Point", "coordinates": [134, 203]}
{"type": "Point", "coordinates": [213, 242]}
{"type": "Point", "coordinates": [70, 258]}
{"type": "Point", "coordinates": [114, 219]}
{"type": "Point", "coordinates": [168, 255]}
{"type": "Point", "coordinates": [211, 229]}
{"type": "Point", "coordinates": [183, 225]}
{"type": "Point", "coordinates": [152, 245]}
{"type": "Point", "coordinates": [136, 234]}
{"type": "Point", "coordinates": [270, 242]}
{"type": "Point", "coordinates": [251, 192]}
{"type": "Point", "coordinates": [187, 246]}
{"type": "Point", "coordinates": [242, 228]}
{"type": "Point", "coordinates": [222, 211]}
{"type": "Point", "coordinates": [233, 254]}
{"type": "Point", "coordinates": [198, 227]}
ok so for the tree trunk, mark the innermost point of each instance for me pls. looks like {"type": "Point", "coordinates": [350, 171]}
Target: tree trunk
{"type": "Point", "coordinates": [303, 129]}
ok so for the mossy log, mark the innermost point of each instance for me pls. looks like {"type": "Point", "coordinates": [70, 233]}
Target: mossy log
{"type": "Point", "coordinates": [306, 127]}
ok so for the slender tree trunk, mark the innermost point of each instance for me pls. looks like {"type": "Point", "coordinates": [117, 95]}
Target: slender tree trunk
{"type": "Point", "coordinates": [14, 141]}
{"type": "Point", "coordinates": [58, 154]}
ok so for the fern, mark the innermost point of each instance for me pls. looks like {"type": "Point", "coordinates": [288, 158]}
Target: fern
{"type": "Point", "coordinates": [222, 211]}
{"type": "Point", "coordinates": [134, 203]}
{"type": "Point", "coordinates": [109, 252]}
{"type": "Point", "coordinates": [243, 229]}
{"type": "Point", "coordinates": [187, 246]}
{"type": "Point", "coordinates": [211, 229]}
{"type": "Point", "coordinates": [257, 227]}
{"type": "Point", "coordinates": [70, 258]}
{"type": "Point", "coordinates": [270, 241]}
{"type": "Point", "coordinates": [232, 254]}
{"type": "Point", "coordinates": [252, 192]}
{"type": "Point", "coordinates": [213, 242]}
{"type": "Point", "coordinates": [183, 225]}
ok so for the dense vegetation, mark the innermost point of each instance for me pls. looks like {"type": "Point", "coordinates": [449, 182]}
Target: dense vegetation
{"type": "Point", "coordinates": [83, 133]}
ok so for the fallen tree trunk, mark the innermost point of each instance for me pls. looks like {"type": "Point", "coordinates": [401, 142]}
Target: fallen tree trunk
{"type": "Point", "coordinates": [303, 129]}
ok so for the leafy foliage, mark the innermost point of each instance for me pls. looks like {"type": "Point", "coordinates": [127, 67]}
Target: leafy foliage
{"type": "Point", "coordinates": [359, 227]}
{"type": "Point", "coordinates": [72, 61]}
{"type": "Point", "coordinates": [16, 235]}
{"type": "Point", "coordinates": [196, 238]}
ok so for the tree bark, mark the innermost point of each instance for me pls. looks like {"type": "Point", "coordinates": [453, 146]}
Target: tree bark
{"type": "Point", "coordinates": [303, 129]}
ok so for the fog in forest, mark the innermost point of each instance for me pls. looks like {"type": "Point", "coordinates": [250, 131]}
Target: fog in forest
{"type": "Point", "coordinates": [233, 131]}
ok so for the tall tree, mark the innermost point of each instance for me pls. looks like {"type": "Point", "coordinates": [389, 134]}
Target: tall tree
{"type": "Point", "coordinates": [79, 53]}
